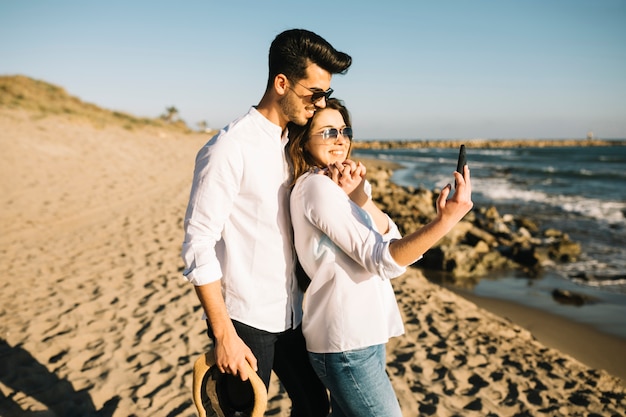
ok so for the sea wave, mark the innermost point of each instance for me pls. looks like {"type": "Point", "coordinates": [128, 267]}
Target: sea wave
{"type": "Point", "coordinates": [618, 284]}
{"type": "Point", "coordinates": [567, 188]}
{"type": "Point", "coordinates": [596, 274]}
{"type": "Point", "coordinates": [496, 190]}
{"type": "Point", "coordinates": [493, 152]}
{"type": "Point", "coordinates": [611, 212]}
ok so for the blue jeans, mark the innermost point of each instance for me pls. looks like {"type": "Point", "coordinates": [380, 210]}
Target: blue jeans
{"type": "Point", "coordinates": [358, 383]}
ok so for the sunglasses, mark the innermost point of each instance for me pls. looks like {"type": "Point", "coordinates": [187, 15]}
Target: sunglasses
{"type": "Point", "coordinates": [318, 93]}
{"type": "Point", "coordinates": [331, 134]}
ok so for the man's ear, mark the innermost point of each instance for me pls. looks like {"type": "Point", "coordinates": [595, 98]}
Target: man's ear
{"type": "Point", "coordinates": [281, 84]}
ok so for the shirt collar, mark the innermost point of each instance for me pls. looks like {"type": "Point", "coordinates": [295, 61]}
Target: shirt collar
{"type": "Point", "coordinates": [265, 124]}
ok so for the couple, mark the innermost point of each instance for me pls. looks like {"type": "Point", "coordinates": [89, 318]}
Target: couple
{"type": "Point", "coordinates": [286, 162]}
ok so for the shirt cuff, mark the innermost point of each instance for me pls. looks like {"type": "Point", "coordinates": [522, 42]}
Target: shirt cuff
{"type": "Point", "coordinates": [391, 269]}
{"type": "Point", "coordinates": [203, 275]}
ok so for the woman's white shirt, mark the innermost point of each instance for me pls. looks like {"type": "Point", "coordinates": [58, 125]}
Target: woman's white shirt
{"type": "Point", "coordinates": [350, 303]}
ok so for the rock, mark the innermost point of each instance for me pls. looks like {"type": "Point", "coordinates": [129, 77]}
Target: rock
{"type": "Point", "coordinates": [476, 235]}
{"type": "Point", "coordinates": [526, 223]}
{"type": "Point", "coordinates": [564, 250]}
{"type": "Point", "coordinates": [481, 247]}
{"type": "Point", "coordinates": [570, 297]}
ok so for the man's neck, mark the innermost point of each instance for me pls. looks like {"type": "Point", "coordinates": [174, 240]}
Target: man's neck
{"type": "Point", "coordinates": [272, 112]}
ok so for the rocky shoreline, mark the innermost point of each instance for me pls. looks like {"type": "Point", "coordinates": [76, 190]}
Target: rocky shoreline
{"type": "Point", "coordinates": [484, 242]}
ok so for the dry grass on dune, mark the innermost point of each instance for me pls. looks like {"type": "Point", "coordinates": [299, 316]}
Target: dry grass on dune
{"type": "Point", "coordinates": [43, 99]}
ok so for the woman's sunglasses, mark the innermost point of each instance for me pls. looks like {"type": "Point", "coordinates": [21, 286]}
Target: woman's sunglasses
{"type": "Point", "coordinates": [331, 134]}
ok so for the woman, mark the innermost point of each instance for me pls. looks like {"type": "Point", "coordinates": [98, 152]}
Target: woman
{"type": "Point", "coordinates": [350, 250]}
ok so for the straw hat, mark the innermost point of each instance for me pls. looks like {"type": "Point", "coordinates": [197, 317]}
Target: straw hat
{"type": "Point", "coordinates": [206, 376]}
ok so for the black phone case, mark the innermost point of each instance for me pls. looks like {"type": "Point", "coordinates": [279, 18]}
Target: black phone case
{"type": "Point", "coordinates": [462, 160]}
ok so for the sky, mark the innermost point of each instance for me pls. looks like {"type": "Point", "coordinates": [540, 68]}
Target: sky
{"type": "Point", "coordinates": [491, 69]}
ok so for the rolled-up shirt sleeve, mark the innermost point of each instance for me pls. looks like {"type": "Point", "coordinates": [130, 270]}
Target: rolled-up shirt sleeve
{"type": "Point", "coordinates": [213, 191]}
{"type": "Point", "coordinates": [348, 226]}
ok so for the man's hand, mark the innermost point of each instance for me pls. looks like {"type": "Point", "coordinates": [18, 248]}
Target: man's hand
{"type": "Point", "coordinates": [230, 351]}
{"type": "Point", "coordinates": [231, 355]}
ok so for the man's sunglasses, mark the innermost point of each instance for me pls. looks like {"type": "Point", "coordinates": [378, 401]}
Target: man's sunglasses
{"type": "Point", "coordinates": [318, 93]}
{"type": "Point", "coordinates": [331, 134]}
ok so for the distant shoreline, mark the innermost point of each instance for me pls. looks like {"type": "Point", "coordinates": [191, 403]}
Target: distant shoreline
{"type": "Point", "coordinates": [486, 143]}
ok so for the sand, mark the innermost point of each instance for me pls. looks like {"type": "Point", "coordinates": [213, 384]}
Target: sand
{"type": "Point", "coordinates": [96, 319]}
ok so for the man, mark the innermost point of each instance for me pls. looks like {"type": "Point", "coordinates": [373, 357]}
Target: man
{"type": "Point", "coordinates": [238, 248]}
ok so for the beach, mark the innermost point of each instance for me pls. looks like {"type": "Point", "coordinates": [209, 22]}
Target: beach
{"type": "Point", "coordinates": [96, 318]}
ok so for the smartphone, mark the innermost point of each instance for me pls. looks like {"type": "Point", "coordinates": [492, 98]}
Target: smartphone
{"type": "Point", "coordinates": [462, 161]}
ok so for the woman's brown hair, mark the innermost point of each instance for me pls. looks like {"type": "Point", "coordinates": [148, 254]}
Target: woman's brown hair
{"type": "Point", "coordinates": [300, 160]}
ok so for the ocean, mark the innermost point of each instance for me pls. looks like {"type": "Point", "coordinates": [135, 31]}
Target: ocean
{"type": "Point", "coordinates": [578, 190]}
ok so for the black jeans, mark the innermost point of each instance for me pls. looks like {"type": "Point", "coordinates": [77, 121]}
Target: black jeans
{"type": "Point", "coordinates": [286, 354]}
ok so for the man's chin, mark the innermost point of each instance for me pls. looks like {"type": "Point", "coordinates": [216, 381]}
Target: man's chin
{"type": "Point", "coordinates": [302, 121]}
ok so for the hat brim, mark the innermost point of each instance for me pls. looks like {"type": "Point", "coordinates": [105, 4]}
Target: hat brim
{"type": "Point", "coordinates": [204, 374]}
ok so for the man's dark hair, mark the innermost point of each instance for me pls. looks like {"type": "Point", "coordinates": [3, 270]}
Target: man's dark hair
{"type": "Point", "coordinates": [292, 51]}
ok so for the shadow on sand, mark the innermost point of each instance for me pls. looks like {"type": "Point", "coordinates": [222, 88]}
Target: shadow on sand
{"type": "Point", "coordinates": [23, 376]}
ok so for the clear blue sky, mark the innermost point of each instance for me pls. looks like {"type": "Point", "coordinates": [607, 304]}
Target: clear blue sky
{"type": "Point", "coordinates": [422, 69]}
